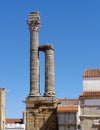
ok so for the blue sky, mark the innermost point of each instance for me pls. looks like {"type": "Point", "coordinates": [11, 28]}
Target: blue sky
{"type": "Point", "coordinates": [72, 26]}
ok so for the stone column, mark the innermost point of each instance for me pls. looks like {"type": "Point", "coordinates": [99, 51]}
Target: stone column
{"type": "Point", "coordinates": [49, 68]}
{"type": "Point", "coordinates": [34, 25]}
{"type": "Point", "coordinates": [49, 71]}
{"type": "Point", "coordinates": [2, 108]}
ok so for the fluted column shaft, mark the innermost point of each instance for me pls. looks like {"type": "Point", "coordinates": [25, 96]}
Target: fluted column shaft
{"type": "Point", "coordinates": [49, 72]}
{"type": "Point", "coordinates": [34, 25]}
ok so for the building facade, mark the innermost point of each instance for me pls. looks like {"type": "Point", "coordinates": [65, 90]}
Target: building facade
{"type": "Point", "coordinates": [68, 116]}
{"type": "Point", "coordinates": [2, 108]}
{"type": "Point", "coordinates": [15, 124]}
{"type": "Point", "coordinates": [90, 100]}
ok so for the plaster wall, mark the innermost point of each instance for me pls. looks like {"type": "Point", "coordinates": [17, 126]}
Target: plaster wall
{"type": "Point", "coordinates": [92, 102]}
{"type": "Point", "coordinates": [91, 84]}
{"type": "Point", "coordinates": [91, 111]}
{"type": "Point", "coordinates": [87, 124]}
{"type": "Point", "coordinates": [15, 127]}
{"type": "Point", "coordinates": [78, 115]}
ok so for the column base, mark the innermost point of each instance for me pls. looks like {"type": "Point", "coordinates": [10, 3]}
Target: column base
{"type": "Point", "coordinates": [34, 94]}
{"type": "Point", "coordinates": [49, 94]}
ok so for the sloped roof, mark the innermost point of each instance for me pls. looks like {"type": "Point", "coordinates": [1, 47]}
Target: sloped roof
{"type": "Point", "coordinates": [91, 73]}
{"type": "Point", "coordinates": [68, 101]}
{"type": "Point", "coordinates": [67, 108]}
{"type": "Point", "coordinates": [90, 94]}
{"type": "Point", "coordinates": [14, 120]}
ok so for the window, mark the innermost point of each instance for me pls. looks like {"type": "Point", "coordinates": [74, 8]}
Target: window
{"type": "Point", "coordinates": [61, 117]}
{"type": "Point", "coordinates": [72, 117]}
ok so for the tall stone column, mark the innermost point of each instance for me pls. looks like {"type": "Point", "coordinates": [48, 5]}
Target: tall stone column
{"type": "Point", "coordinates": [2, 108]}
{"type": "Point", "coordinates": [49, 68]}
{"type": "Point", "coordinates": [41, 111]}
{"type": "Point", "coordinates": [34, 25]}
{"type": "Point", "coordinates": [49, 71]}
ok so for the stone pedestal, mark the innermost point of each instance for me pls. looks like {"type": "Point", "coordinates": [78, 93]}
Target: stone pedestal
{"type": "Point", "coordinates": [41, 113]}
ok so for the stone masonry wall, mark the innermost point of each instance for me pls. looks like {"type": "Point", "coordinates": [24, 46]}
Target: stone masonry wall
{"type": "Point", "coordinates": [43, 116]}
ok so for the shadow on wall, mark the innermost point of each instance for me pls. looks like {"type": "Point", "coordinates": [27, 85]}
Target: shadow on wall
{"type": "Point", "coordinates": [51, 123]}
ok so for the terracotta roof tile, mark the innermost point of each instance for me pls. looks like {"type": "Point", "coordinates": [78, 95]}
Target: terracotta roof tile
{"type": "Point", "coordinates": [90, 94]}
{"type": "Point", "coordinates": [67, 101]}
{"type": "Point", "coordinates": [92, 73]}
{"type": "Point", "coordinates": [67, 108]}
{"type": "Point", "coordinates": [14, 120]}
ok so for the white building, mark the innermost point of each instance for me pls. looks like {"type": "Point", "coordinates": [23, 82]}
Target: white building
{"type": "Point", "coordinates": [15, 127]}
{"type": "Point", "coordinates": [15, 124]}
{"type": "Point", "coordinates": [90, 100]}
{"type": "Point", "coordinates": [68, 117]}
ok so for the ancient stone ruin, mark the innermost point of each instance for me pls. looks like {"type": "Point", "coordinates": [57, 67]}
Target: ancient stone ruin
{"type": "Point", "coordinates": [41, 111]}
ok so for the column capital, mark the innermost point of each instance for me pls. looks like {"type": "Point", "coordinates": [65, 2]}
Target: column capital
{"type": "Point", "coordinates": [34, 21]}
{"type": "Point", "coordinates": [45, 47]}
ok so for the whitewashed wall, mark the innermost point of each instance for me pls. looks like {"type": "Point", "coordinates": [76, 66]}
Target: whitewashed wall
{"type": "Point", "coordinates": [78, 115]}
{"type": "Point", "coordinates": [15, 127]}
{"type": "Point", "coordinates": [91, 84]}
{"type": "Point", "coordinates": [92, 102]}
